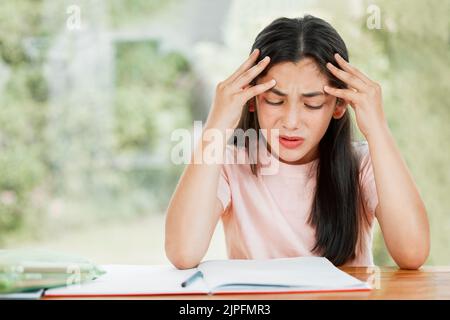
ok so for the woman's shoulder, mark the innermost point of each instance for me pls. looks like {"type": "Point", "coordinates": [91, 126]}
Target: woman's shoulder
{"type": "Point", "coordinates": [237, 161]}
{"type": "Point", "coordinates": [232, 152]}
{"type": "Point", "coordinates": [361, 148]}
{"type": "Point", "coordinates": [235, 157]}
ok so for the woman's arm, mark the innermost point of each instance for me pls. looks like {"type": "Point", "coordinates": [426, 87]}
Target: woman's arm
{"type": "Point", "coordinates": [193, 213]}
{"type": "Point", "coordinates": [400, 211]}
{"type": "Point", "coordinates": [194, 209]}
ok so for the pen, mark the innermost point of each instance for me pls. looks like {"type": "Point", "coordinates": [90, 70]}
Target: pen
{"type": "Point", "coordinates": [192, 278]}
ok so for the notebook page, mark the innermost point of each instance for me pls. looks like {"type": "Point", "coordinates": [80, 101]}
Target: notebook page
{"type": "Point", "coordinates": [300, 272]}
{"type": "Point", "coordinates": [122, 280]}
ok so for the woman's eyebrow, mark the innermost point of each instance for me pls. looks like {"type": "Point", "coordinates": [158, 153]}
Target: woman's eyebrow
{"type": "Point", "coordinates": [278, 92]}
{"type": "Point", "coordinates": [306, 95]}
{"type": "Point", "coordinates": [312, 94]}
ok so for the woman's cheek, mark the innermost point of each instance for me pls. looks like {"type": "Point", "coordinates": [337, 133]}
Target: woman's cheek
{"type": "Point", "coordinates": [320, 122]}
{"type": "Point", "coordinates": [267, 118]}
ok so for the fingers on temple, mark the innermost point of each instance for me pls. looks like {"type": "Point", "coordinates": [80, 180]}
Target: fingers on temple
{"type": "Point", "coordinates": [351, 69]}
{"type": "Point", "coordinates": [251, 73]}
{"type": "Point", "coordinates": [258, 89]}
{"type": "Point", "coordinates": [345, 94]}
{"type": "Point", "coordinates": [348, 78]}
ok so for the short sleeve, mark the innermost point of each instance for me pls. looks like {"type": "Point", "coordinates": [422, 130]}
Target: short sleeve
{"type": "Point", "coordinates": [369, 189]}
{"type": "Point", "coordinates": [223, 188]}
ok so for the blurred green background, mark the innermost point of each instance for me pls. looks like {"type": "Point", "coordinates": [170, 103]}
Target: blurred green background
{"type": "Point", "coordinates": [87, 109]}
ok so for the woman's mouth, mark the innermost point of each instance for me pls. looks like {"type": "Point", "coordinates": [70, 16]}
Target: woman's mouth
{"type": "Point", "coordinates": [290, 142]}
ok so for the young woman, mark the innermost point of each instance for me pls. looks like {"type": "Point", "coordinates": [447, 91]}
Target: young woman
{"type": "Point", "coordinates": [327, 189]}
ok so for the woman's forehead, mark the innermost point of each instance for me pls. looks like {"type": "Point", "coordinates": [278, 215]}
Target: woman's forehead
{"type": "Point", "coordinates": [303, 76]}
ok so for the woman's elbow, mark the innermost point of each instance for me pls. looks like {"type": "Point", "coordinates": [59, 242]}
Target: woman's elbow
{"type": "Point", "coordinates": [411, 264]}
{"type": "Point", "coordinates": [182, 263]}
{"type": "Point", "coordinates": [414, 259]}
{"type": "Point", "coordinates": [181, 260]}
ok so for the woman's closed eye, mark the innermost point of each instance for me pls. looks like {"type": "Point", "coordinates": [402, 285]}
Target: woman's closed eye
{"type": "Point", "coordinates": [274, 103]}
{"type": "Point", "coordinates": [278, 103]}
{"type": "Point", "coordinates": [314, 107]}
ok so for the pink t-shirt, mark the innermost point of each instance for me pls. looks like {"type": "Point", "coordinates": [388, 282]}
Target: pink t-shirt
{"type": "Point", "coordinates": [265, 216]}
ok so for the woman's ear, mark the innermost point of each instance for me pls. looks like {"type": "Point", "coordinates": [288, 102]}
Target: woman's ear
{"type": "Point", "coordinates": [340, 108]}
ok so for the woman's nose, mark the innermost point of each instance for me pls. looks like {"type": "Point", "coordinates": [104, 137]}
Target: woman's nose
{"type": "Point", "coordinates": [291, 118]}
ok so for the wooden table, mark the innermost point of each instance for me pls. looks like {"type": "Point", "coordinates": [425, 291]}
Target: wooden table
{"type": "Point", "coordinates": [428, 282]}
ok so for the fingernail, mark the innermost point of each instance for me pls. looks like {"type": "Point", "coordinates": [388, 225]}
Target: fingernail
{"type": "Point", "coordinates": [273, 81]}
{"type": "Point", "coordinates": [262, 61]}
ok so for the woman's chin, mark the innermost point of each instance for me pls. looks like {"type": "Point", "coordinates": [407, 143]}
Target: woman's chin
{"type": "Point", "coordinates": [293, 156]}
{"type": "Point", "coordinates": [290, 157]}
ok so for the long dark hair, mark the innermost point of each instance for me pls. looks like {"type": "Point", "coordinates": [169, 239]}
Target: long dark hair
{"type": "Point", "coordinates": [334, 211]}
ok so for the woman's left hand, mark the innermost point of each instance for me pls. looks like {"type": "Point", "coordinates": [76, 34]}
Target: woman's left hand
{"type": "Point", "coordinates": [363, 94]}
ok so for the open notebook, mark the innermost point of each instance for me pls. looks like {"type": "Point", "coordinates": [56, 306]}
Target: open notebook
{"type": "Point", "coordinates": [302, 274]}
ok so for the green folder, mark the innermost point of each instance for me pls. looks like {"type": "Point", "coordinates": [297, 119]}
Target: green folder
{"type": "Point", "coordinates": [24, 270]}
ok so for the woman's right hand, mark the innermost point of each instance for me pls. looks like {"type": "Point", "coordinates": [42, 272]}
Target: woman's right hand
{"type": "Point", "coordinates": [232, 93]}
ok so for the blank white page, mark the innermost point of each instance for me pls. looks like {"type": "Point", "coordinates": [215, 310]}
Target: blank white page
{"type": "Point", "coordinates": [122, 280]}
{"type": "Point", "coordinates": [301, 272]}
